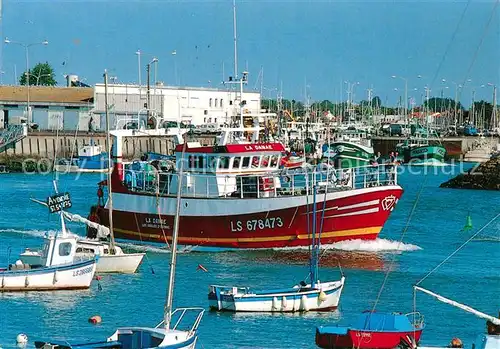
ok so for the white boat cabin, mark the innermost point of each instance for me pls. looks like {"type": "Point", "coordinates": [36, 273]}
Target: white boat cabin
{"type": "Point", "coordinates": [224, 170]}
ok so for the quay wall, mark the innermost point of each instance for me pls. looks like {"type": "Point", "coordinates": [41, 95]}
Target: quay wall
{"type": "Point", "coordinates": [49, 145]}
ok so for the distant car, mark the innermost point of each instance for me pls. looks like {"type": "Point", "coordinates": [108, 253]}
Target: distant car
{"type": "Point", "coordinates": [131, 125]}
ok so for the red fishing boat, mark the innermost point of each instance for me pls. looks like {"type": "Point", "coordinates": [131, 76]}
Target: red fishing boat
{"type": "Point", "coordinates": [373, 331]}
{"type": "Point", "coordinates": [234, 195]}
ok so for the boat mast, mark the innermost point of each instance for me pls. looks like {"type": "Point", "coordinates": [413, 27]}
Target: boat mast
{"type": "Point", "coordinates": [171, 281]}
{"type": "Point", "coordinates": [235, 42]}
{"type": "Point", "coordinates": [315, 244]}
{"type": "Point", "coordinates": [108, 150]}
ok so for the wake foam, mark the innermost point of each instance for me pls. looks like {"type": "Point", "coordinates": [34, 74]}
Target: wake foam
{"type": "Point", "coordinates": [358, 245]}
{"type": "Point", "coordinates": [378, 245]}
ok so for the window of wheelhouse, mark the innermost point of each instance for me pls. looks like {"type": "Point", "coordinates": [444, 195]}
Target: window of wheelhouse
{"type": "Point", "coordinates": [236, 162]}
{"type": "Point", "coordinates": [212, 162]}
{"type": "Point", "coordinates": [245, 162]}
{"type": "Point", "coordinates": [201, 162]}
{"type": "Point", "coordinates": [264, 162]}
{"type": "Point", "coordinates": [255, 161]}
{"type": "Point", "coordinates": [274, 161]}
{"type": "Point", "coordinates": [224, 162]}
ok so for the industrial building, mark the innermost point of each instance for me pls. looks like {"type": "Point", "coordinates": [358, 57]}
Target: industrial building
{"type": "Point", "coordinates": [51, 108]}
{"type": "Point", "coordinates": [191, 105]}
{"type": "Point", "coordinates": [82, 108]}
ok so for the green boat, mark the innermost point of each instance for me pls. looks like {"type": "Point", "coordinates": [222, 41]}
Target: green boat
{"type": "Point", "coordinates": [418, 151]}
{"type": "Point", "coordinates": [351, 149]}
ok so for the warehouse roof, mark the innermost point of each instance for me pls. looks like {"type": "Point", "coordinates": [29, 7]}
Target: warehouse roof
{"type": "Point", "coordinates": [47, 94]}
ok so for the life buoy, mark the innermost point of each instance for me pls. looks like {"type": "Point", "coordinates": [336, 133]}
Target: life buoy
{"type": "Point", "coordinates": [287, 179]}
{"type": "Point", "coordinates": [100, 192]}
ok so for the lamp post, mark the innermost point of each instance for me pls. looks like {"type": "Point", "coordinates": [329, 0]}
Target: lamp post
{"type": "Point", "coordinates": [26, 48]}
{"type": "Point", "coordinates": [148, 93]}
{"type": "Point", "coordinates": [406, 96]}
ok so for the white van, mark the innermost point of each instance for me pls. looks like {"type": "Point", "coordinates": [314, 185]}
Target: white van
{"type": "Point", "coordinates": [210, 128]}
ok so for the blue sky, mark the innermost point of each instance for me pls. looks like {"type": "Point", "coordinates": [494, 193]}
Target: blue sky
{"type": "Point", "coordinates": [313, 43]}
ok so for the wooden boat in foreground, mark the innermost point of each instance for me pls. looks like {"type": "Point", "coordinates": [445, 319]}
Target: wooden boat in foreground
{"type": "Point", "coordinates": [373, 330]}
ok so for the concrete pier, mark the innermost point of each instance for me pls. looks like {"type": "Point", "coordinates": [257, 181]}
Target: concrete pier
{"type": "Point", "coordinates": [50, 145]}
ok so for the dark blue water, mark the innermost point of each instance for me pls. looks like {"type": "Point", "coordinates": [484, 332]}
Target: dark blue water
{"type": "Point", "coordinates": [471, 276]}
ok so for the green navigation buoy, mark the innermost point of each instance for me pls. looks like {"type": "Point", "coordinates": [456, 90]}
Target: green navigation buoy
{"type": "Point", "coordinates": [468, 223]}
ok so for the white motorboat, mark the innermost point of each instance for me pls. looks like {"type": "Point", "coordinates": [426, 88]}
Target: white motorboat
{"type": "Point", "coordinates": [57, 267]}
{"type": "Point", "coordinates": [119, 262]}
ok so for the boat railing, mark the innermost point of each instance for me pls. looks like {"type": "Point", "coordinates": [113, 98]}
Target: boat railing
{"type": "Point", "coordinates": [261, 185]}
{"type": "Point", "coordinates": [416, 319]}
{"type": "Point", "coordinates": [180, 313]}
{"type": "Point", "coordinates": [228, 289]}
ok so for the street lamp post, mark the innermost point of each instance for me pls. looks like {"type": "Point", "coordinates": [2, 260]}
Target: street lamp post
{"type": "Point", "coordinates": [26, 48]}
{"type": "Point", "coordinates": [406, 96]}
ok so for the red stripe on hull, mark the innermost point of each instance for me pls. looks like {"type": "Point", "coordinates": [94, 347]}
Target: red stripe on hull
{"type": "Point", "coordinates": [354, 217]}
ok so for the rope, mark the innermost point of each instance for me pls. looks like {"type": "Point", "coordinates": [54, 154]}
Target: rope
{"type": "Point", "coordinates": [458, 249]}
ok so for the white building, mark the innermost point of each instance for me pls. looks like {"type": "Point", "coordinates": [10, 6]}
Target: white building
{"type": "Point", "coordinates": [191, 105]}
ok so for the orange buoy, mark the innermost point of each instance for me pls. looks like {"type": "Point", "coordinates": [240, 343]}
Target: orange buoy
{"type": "Point", "coordinates": [96, 319]}
{"type": "Point", "coordinates": [456, 343]}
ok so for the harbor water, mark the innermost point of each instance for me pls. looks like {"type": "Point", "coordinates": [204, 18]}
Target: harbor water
{"type": "Point", "coordinates": [432, 228]}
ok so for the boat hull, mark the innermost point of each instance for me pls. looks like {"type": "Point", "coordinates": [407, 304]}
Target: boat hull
{"type": "Point", "coordinates": [122, 263]}
{"type": "Point", "coordinates": [62, 277]}
{"type": "Point", "coordinates": [250, 222]}
{"type": "Point", "coordinates": [425, 155]}
{"type": "Point", "coordinates": [325, 298]}
{"type": "Point", "coordinates": [365, 339]}
{"type": "Point", "coordinates": [349, 155]}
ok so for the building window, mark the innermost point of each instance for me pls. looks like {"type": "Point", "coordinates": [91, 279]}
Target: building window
{"type": "Point", "coordinates": [65, 249]}
{"type": "Point", "coordinates": [216, 102]}
{"type": "Point", "coordinates": [204, 119]}
{"type": "Point", "coordinates": [230, 102]}
{"type": "Point", "coordinates": [205, 112]}
{"type": "Point", "coordinates": [210, 102]}
{"type": "Point", "coordinates": [215, 119]}
{"type": "Point", "coordinates": [221, 103]}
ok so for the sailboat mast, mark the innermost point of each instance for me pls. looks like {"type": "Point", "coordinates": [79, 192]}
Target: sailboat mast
{"type": "Point", "coordinates": [108, 150]}
{"type": "Point", "coordinates": [315, 246]}
{"type": "Point", "coordinates": [171, 281]}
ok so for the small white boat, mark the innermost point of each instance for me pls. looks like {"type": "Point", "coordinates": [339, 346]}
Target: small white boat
{"type": "Point", "coordinates": [91, 158]}
{"type": "Point", "coordinates": [57, 269]}
{"type": "Point", "coordinates": [112, 259]}
{"type": "Point", "coordinates": [320, 297]}
{"type": "Point", "coordinates": [119, 262]}
{"type": "Point", "coordinates": [303, 297]}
